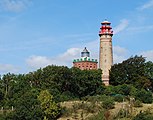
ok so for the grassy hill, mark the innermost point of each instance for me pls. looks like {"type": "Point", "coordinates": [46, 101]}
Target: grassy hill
{"type": "Point", "coordinates": [80, 110]}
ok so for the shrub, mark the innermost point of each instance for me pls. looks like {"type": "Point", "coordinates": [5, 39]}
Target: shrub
{"type": "Point", "coordinates": [144, 96]}
{"type": "Point", "coordinates": [108, 103]}
{"type": "Point", "coordinates": [143, 116]}
{"type": "Point", "coordinates": [121, 114]}
{"type": "Point", "coordinates": [138, 103]}
{"type": "Point", "coordinates": [99, 116]}
{"type": "Point", "coordinates": [119, 98]}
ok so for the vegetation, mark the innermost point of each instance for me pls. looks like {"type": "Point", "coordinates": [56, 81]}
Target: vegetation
{"type": "Point", "coordinates": [38, 95]}
{"type": "Point", "coordinates": [134, 71]}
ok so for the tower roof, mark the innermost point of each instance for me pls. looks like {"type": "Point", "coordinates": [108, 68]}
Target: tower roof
{"type": "Point", "coordinates": [106, 29]}
{"type": "Point", "coordinates": [105, 22]}
{"type": "Point", "coordinates": [85, 50]}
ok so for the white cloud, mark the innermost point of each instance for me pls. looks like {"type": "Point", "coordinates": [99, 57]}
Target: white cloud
{"type": "Point", "coordinates": [119, 54]}
{"type": "Point", "coordinates": [120, 50]}
{"type": "Point", "coordinates": [146, 5]}
{"type": "Point", "coordinates": [70, 53]}
{"type": "Point", "coordinates": [148, 55]}
{"type": "Point", "coordinates": [118, 58]}
{"type": "Point", "coordinates": [38, 61]}
{"type": "Point", "coordinates": [140, 29]}
{"type": "Point", "coordinates": [65, 59]}
{"type": "Point", "coordinates": [123, 24]}
{"type": "Point", "coordinates": [5, 68]}
{"type": "Point", "coordinates": [14, 5]}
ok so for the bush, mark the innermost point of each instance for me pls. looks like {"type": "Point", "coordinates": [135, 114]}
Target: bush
{"type": "Point", "coordinates": [119, 98]}
{"type": "Point", "coordinates": [99, 116]}
{"type": "Point", "coordinates": [144, 96]}
{"type": "Point", "coordinates": [138, 103]}
{"type": "Point", "coordinates": [121, 114]}
{"type": "Point", "coordinates": [108, 103]}
{"type": "Point", "coordinates": [143, 116]}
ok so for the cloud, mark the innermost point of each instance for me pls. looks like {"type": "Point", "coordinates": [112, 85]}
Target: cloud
{"type": "Point", "coordinates": [148, 55]}
{"type": "Point", "coordinates": [119, 50]}
{"type": "Point", "coordinates": [119, 54]}
{"type": "Point", "coordinates": [65, 59]}
{"type": "Point", "coordinates": [5, 68]}
{"type": "Point", "coordinates": [146, 5]}
{"type": "Point", "coordinates": [123, 24]}
{"type": "Point", "coordinates": [14, 5]}
{"type": "Point", "coordinates": [140, 29]}
{"type": "Point", "coordinates": [38, 61]}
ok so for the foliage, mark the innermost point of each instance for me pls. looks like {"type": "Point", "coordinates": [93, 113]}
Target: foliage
{"type": "Point", "coordinates": [122, 90]}
{"type": "Point", "coordinates": [144, 116]}
{"type": "Point", "coordinates": [65, 83]}
{"type": "Point", "coordinates": [131, 71]}
{"type": "Point", "coordinates": [121, 114]}
{"type": "Point", "coordinates": [138, 103]}
{"type": "Point", "coordinates": [108, 103]}
{"type": "Point", "coordinates": [86, 82]}
{"type": "Point", "coordinates": [99, 116]}
{"type": "Point", "coordinates": [49, 107]}
{"type": "Point", "coordinates": [27, 107]}
{"type": "Point", "coordinates": [118, 98]}
{"type": "Point", "coordinates": [144, 96]}
{"type": "Point", "coordinates": [132, 77]}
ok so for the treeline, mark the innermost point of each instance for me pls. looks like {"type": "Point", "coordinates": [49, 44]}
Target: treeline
{"type": "Point", "coordinates": [62, 83]}
{"type": "Point", "coordinates": [36, 95]}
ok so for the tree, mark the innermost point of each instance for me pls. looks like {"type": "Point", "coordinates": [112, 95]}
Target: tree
{"type": "Point", "coordinates": [86, 82]}
{"type": "Point", "coordinates": [144, 96]}
{"type": "Point", "coordinates": [149, 69]}
{"type": "Point", "coordinates": [131, 71]}
{"type": "Point", "coordinates": [50, 108]}
{"type": "Point", "coordinates": [27, 107]}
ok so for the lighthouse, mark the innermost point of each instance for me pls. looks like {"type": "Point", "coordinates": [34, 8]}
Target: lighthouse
{"type": "Point", "coordinates": [85, 62]}
{"type": "Point", "coordinates": [105, 53]}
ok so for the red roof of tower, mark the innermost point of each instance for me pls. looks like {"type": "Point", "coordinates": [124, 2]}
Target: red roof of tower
{"type": "Point", "coordinates": [106, 29]}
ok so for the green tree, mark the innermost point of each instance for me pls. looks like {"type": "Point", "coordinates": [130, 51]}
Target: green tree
{"type": "Point", "coordinates": [131, 71]}
{"type": "Point", "coordinates": [144, 96]}
{"type": "Point", "coordinates": [27, 107]}
{"type": "Point", "coordinates": [86, 82]}
{"type": "Point", "coordinates": [49, 107]}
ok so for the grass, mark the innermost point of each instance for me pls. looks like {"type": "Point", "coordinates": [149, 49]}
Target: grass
{"type": "Point", "coordinates": [79, 110]}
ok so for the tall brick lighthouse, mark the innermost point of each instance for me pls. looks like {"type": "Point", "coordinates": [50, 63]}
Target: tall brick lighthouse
{"type": "Point", "coordinates": [105, 53]}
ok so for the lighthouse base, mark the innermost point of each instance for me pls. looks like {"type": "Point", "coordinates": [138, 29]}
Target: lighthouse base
{"type": "Point", "coordinates": [105, 79]}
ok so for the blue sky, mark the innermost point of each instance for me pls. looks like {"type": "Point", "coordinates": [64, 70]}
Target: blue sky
{"type": "Point", "coordinates": [36, 33]}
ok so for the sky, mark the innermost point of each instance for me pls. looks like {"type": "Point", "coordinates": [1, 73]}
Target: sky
{"type": "Point", "coordinates": [37, 33]}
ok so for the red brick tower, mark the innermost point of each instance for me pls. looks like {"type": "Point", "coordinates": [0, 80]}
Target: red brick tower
{"type": "Point", "coordinates": [85, 63]}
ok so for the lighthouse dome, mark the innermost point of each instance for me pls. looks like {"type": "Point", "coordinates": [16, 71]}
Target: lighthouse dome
{"type": "Point", "coordinates": [85, 53]}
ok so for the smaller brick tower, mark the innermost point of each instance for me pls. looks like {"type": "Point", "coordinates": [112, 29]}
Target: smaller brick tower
{"type": "Point", "coordinates": [85, 63]}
